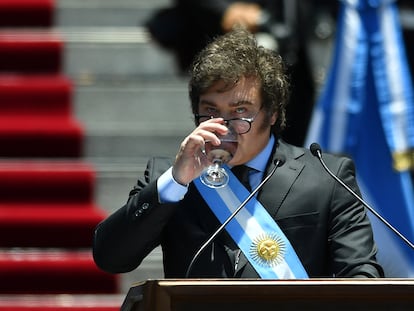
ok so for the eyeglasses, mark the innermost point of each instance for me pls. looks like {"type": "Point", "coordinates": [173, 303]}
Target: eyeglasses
{"type": "Point", "coordinates": [240, 125]}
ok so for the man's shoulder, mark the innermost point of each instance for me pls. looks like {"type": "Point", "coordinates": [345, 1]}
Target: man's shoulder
{"type": "Point", "coordinates": [305, 155]}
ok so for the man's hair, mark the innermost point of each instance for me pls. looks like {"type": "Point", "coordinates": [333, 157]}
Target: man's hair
{"type": "Point", "coordinates": [235, 55]}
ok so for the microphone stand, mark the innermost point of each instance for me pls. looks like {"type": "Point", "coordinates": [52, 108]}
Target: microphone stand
{"type": "Point", "coordinates": [316, 151]}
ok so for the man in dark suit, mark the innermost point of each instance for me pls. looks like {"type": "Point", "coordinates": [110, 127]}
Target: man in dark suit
{"type": "Point", "coordinates": [234, 79]}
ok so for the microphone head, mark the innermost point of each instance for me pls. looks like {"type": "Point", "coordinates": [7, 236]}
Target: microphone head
{"type": "Point", "coordinates": [279, 160]}
{"type": "Point", "coordinates": [315, 149]}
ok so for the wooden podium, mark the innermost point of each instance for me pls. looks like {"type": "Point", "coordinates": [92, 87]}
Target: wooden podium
{"type": "Point", "coordinates": [266, 295]}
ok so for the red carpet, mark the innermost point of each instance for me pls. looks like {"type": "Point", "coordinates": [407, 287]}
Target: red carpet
{"type": "Point", "coordinates": [45, 204]}
{"type": "Point", "coordinates": [60, 303]}
{"type": "Point", "coordinates": [28, 52]}
{"type": "Point", "coordinates": [47, 208]}
{"type": "Point", "coordinates": [41, 182]}
{"type": "Point", "coordinates": [70, 272]}
{"type": "Point", "coordinates": [42, 305]}
{"type": "Point", "coordinates": [27, 136]}
{"type": "Point", "coordinates": [35, 95]}
{"type": "Point", "coordinates": [26, 13]}
{"type": "Point", "coordinates": [36, 117]}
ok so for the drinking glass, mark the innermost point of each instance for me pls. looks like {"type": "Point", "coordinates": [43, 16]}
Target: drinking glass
{"type": "Point", "coordinates": [215, 176]}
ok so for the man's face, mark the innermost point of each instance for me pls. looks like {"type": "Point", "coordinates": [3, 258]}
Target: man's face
{"type": "Point", "coordinates": [241, 101]}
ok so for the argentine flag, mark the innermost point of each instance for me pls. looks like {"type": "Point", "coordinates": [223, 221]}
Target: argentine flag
{"type": "Point", "coordinates": [366, 110]}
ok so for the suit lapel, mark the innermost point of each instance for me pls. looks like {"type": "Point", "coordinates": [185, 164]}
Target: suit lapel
{"type": "Point", "coordinates": [275, 191]}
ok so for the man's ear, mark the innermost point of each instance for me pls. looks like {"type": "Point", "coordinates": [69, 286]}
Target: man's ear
{"type": "Point", "coordinates": [273, 118]}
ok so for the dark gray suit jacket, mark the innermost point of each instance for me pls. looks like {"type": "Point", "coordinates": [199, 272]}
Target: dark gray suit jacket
{"type": "Point", "coordinates": [326, 226]}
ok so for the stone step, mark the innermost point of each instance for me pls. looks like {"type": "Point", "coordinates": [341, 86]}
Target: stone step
{"type": "Point", "coordinates": [135, 121]}
{"type": "Point", "coordinates": [107, 12]}
{"type": "Point", "coordinates": [114, 54]}
{"type": "Point", "coordinates": [134, 108]}
{"type": "Point", "coordinates": [135, 147]}
{"type": "Point", "coordinates": [109, 38]}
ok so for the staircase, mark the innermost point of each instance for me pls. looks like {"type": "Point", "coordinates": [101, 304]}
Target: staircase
{"type": "Point", "coordinates": [77, 114]}
{"type": "Point", "coordinates": [128, 96]}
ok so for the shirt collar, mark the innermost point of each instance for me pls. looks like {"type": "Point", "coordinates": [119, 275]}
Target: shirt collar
{"type": "Point", "coordinates": [259, 162]}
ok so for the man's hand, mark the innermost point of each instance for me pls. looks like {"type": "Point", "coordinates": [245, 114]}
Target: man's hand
{"type": "Point", "coordinates": [191, 159]}
{"type": "Point", "coordinates": [243, 14]}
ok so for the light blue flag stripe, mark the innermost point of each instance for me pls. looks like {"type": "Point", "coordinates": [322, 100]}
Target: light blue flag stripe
{"type": "Point", "coordinates": [371, 102]}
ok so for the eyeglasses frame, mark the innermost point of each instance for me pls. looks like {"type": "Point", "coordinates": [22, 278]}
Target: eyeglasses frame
{"type": "Point", "coordinates": [227, 121]}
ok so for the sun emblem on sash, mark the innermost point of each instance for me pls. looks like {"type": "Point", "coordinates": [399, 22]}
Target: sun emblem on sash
{"type": "Point", "coordinates": [268, 249]}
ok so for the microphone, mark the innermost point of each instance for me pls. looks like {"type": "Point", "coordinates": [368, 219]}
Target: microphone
{"type": "Point", "coordinates": [317, 152]}
{"type": "Point", "coordinates": [278, 162]}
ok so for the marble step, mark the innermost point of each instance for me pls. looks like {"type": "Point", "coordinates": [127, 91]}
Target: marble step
{"type": "Point", "coordinates": [114, 54]}
{"type": "Point", "coordinates": [107, 12]}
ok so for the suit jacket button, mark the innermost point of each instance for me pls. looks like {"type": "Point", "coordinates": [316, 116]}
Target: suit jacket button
{"type": "Point", "coordinates": [142, 209]}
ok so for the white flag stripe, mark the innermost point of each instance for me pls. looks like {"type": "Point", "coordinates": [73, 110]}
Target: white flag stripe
{"type": "Point", "coordinates": [342, 93]}
{"type": "Point", "coordinates": [394, 70]}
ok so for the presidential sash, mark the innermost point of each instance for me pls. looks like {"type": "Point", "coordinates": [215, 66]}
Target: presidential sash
{"type": "Point", "coordinates": [254, 230]}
